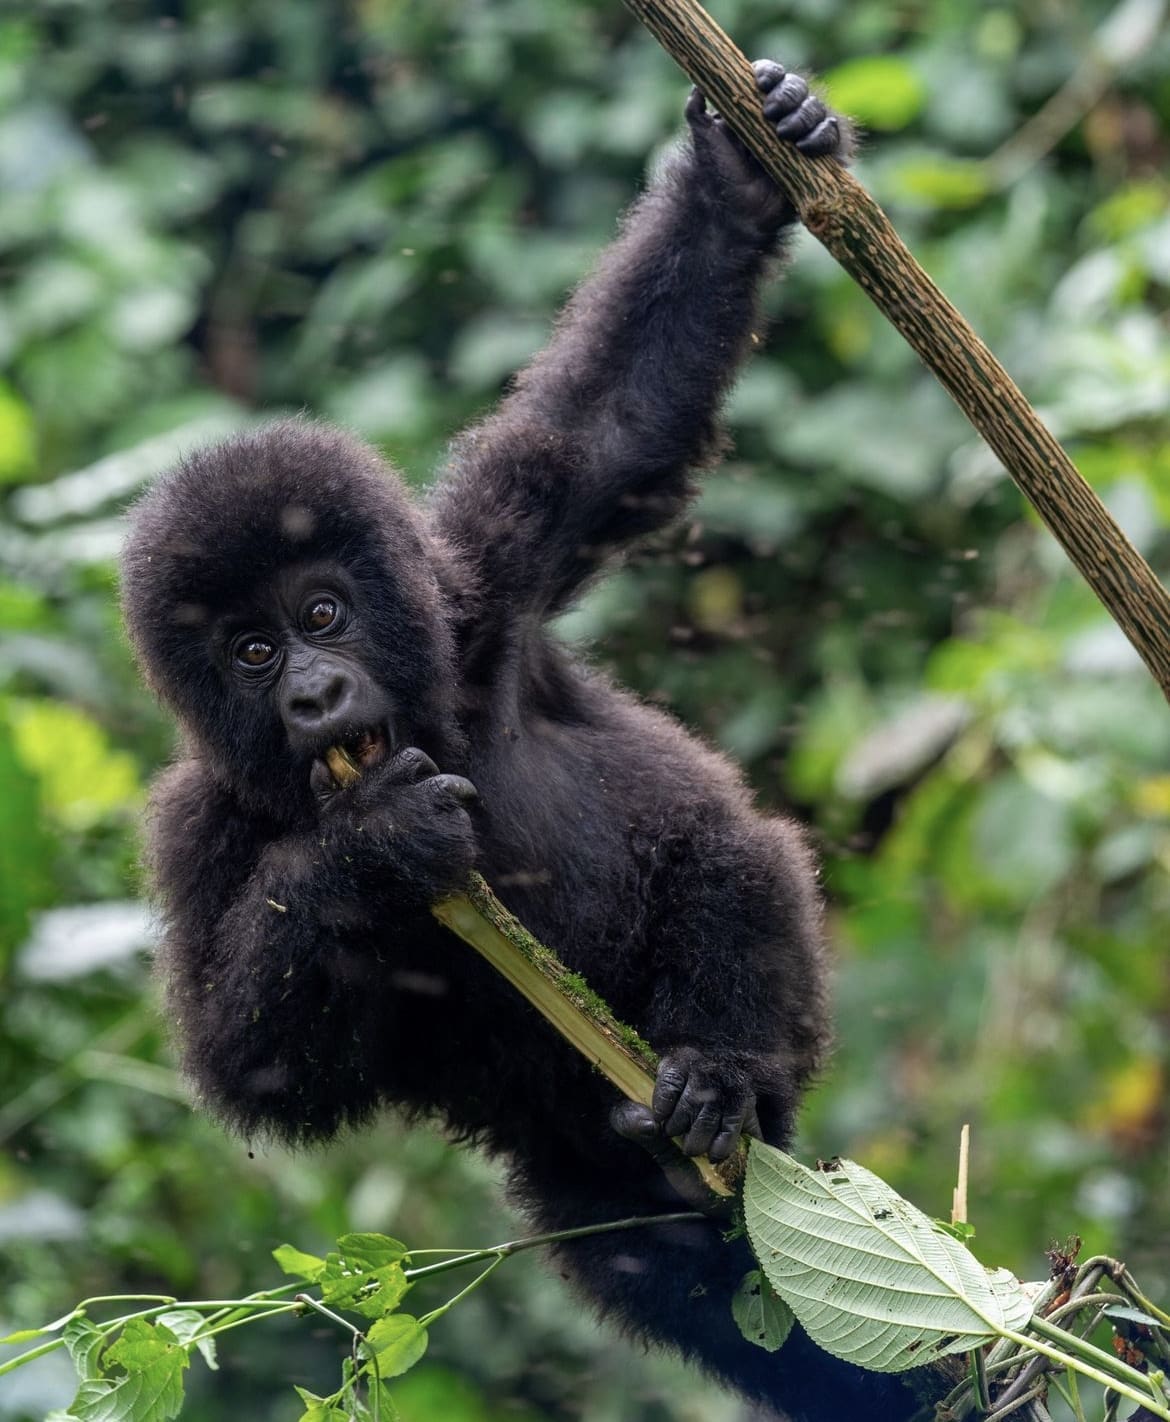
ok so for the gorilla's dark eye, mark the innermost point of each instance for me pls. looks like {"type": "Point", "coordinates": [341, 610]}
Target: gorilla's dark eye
{"type": "Point", "coordinates": [320, 614]}
{"type": "Point", "coordinates": [253, 651]}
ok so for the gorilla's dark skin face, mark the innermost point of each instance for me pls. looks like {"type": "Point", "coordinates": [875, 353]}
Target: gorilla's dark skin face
{"type": "Point", "coordinates": [296, 644]}
{"type": "Point", "coordinates": [285, 595]}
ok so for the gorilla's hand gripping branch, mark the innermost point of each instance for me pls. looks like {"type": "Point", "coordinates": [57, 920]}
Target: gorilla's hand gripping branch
{"type": "Point", "coordinates": [839, 212]}
{"type": "Point", "coordinates": [560, 996]}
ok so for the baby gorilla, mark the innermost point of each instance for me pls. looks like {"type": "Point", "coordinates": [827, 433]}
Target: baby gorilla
{"type": "Point", "coordinates": [285, 596]}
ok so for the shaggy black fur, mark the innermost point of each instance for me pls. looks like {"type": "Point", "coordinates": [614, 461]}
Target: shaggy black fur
{"type": "Point", "coordinates": [307, 982]}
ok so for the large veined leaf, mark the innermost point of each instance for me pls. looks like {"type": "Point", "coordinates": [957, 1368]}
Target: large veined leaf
{"type": "Point", "coordinates": [871, 1279]}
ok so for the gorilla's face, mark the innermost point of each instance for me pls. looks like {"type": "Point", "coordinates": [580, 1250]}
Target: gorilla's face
{"type": "Point", "coordinates": [283, 596]}
{"type": "Point", "coordinates": [294, 650]}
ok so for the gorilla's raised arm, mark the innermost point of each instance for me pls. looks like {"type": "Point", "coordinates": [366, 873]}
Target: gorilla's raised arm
{"type": "Point", "coordinates": [594, 446]}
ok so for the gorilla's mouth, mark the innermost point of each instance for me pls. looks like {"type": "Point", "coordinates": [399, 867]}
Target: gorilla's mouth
{"type": "Point", "coordinates": [366, 748]}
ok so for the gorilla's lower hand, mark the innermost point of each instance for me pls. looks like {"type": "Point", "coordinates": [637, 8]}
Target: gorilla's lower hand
{"type": "Point", "coordinates": [703, 1104]}
{"type": "Point", "coordinates": [699, 1107]}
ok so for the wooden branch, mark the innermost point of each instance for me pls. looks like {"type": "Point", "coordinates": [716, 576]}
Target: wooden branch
{"type": "Point", "coordinates": [844, 218]}
{"type": "Point", "coordinates": [562, 997]}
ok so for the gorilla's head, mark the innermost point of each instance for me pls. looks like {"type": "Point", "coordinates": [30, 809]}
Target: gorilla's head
{"type": "Point", "coordinates": [282, 595]}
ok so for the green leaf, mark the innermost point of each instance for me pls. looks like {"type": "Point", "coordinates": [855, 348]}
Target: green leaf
{"type": "Point", "coordinates": [387, 1408]}
{"type": "Point", "coordinates": [83, 779]}
{"type": "Point", "coordinates": [1128, 1314]}
{"type": "Point", "coordinates": [151, 1387]}
{"type": "Point", "coordinates": [1022, 839]}
{"type": "Point", "coordinates": [962, 1230]}
{"type": "Point", "coordinates": [869, 1276]}
{"type": "Point", "coordinates": [186, 1324]}
{"type": "Point", "coordinates": [365, 1274]}
{"type": "Point", "coordinates": [763, 1317]}
{"type": "Point", "coordinates": [17, 438]}
{"type": "Point", "coordinates": [395, 1343]}
{"type": "Point", "coordinates": [84, 1343]}
{"type": "Point", "coordinates": [371, 1251]}
{"type": "Point", "coordinates": [26, 849]}
{"type": "Point", "coordinates": [297, 1263]}
{"type": "Point", "coordinates": [319, 1409]}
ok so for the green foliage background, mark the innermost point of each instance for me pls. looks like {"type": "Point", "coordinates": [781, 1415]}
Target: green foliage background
{"type": "Point", "coordinates": [371, 210]}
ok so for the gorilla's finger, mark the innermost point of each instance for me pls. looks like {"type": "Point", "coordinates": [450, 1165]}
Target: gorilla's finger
{"type": "Point", "coordinates": [727, 1138]}
{"type": "Point", "coordinates": [703, 1130]}
{"type": "Point", "coordinates": [825, 138]}
{"type": "Point", "coordinates": [455, 787]}
{"type": "Point", "coordinates": [321, 781]}
{"type": "Point", "coordinates": [698, 1097]}
{"type": "Point", "coordinates": [800, 124]}
{"type": "Point", "coordinates": [669, 1085]}
{"type": "Point", "coordinates": [636, 1123]}
{"type": "Point", "coordinates": [786, 98]}
{"type": "Point", "coordinates": [768, 73]}
{"type": "Point", "coordinates": [411, 765]}
{"type": "Point", "coordinates": [696, 109]}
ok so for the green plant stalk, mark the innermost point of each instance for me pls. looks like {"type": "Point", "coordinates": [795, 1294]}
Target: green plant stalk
{"type": "Point", "coordinates": [234, 1313]}
{"type": "Point", "coordinates": [1115, 1379]}
{"type": "Point", "coordinates": [979, 1378]}
{"type": "Point", "coordinates": [1047, 1329]}
{"type": "Point", "coordinates": [535, 1241]}
{"type": "Point", "coordinates": [308, 1301]}
{"type": "Point", "coordinates": [1129, 1285]}
{"type": "Point", "coordinates": [581, 1017]}
{"type": "Point", "coordinates": [254, 1307]}
{"type": "Point", "coordinates": [1071, 1393]}
{"type": "Point", "coordinates": [482, 1277]}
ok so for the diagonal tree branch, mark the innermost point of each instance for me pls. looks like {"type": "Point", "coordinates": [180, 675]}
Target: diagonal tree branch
{"type": "Point", "coordinates": [845, 219]}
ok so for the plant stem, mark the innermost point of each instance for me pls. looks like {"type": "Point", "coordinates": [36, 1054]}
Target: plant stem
{"type": "Point", "coordinates": [561, 997]}
{"type": "Point", "coordinates": [534, 1241]}
{"type": "Point", "coordinates": [428, 1319]}
{"type": "Point", "coordinates": [254, 1306]}
{"type": "Point", "coordinates": [11, 1365]}
{"type": "Point", "coordinates": [1129, 1284]}
{"type": "Point", "coordinates": [1113, 1379]}
{"type": "Point", "coordinates": [310, 1302]}
{"type": "Point", "coordinates": [231, 1322]}
{"type": "Point", "coordinates": [1085, 1349]}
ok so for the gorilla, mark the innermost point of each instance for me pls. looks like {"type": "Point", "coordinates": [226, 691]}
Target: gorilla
{"type": "Point", "coordinates": [285, 596]}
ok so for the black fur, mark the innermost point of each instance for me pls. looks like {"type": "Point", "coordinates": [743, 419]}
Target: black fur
{"type": "Point", "coordinates": [307, 982]}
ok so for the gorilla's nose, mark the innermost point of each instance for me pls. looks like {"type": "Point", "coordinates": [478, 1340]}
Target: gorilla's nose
{"type": "Point", "coordinates": [317, 698]}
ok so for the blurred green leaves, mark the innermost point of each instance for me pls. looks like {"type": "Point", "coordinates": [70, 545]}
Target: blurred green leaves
{"type": "Point", "coordinates": [879, 91]}
{"type": "Point", "coordinates": [82, 778]}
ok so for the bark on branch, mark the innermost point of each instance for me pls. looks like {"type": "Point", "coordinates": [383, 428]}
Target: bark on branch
{"type": "Point", "coordinates": [845, 219]}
